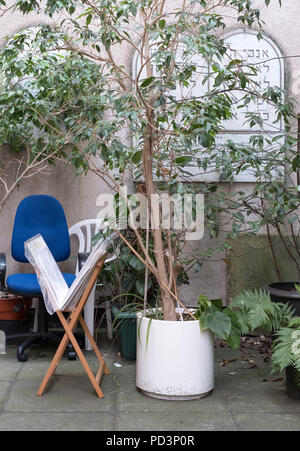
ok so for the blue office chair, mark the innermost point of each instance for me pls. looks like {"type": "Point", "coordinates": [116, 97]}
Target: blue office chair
{"type": "Point", "coordinates": [37, 214]}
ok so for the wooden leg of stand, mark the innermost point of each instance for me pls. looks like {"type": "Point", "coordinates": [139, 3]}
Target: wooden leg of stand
{"type": "Point", "coordinates": [80, 355]}
{"type": "Point", "coordinates": [56, 359]}
{"type": "Point", "coordinates": [93, 343]}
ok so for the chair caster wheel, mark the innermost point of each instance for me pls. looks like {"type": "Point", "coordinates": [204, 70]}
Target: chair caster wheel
{"type": "Point", "coordinates": [72, 355]}
{"type": "Point", "coordinates": [22, 357]}
{"type": "Point", "coordinates": [71, 352]}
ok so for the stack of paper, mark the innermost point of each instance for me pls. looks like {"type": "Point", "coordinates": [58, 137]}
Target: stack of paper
{"type": "Point", "coordinates": [56, 293]}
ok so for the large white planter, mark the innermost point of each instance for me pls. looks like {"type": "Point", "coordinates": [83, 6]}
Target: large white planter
{"type": "Point", "coordinates": [178, 360]}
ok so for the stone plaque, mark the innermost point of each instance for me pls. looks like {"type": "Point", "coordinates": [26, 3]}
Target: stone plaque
{"type": "Point", "coordinates": [267, 58]}
{"type": "Point", "coordinates": [264, 55]}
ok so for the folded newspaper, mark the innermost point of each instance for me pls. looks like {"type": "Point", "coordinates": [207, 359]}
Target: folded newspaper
{"type": "Point", "coordinates": [56, 293]}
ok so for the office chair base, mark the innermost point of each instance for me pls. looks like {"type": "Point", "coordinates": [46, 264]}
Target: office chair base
{"type": "Point", "coordinates": [34, 338]}
{"type": "Point", "coordinates": [41, 336]}
{"type": "Point", "coordinates": [31, 338]}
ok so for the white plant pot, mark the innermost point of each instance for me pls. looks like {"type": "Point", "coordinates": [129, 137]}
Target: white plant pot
{"type": "Point", "coordinates": [177, 362]}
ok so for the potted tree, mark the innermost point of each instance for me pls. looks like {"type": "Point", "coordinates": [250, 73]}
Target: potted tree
{"type": "Point", "coordinates": [270, 205]}
{"type": "Point", "coordinates": [157, 118]}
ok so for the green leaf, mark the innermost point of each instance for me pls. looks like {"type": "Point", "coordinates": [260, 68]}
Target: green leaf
{"type": "Point", "coordinates": [204, 141]}
{"type": "Point", "coordinates": [140, 285]}
{"type": "Point", "coordinates": [136, 263]}
{"type": "Point", "coordinates": [137, 156]}
{"type": "Point", "coordinates": [183, 160]}
{"type": "Point", "coordinates": [217, 322]}
{"type": "Point", "coordinates": [243, 81]}
{"type": "Point", "coordinates": [139, 329]}
{"type": "Point", "coordinates": [234, 340]}
{"type": "Point", "coordinates": [148, 332]}
{"type": "Point", "coordinates": [162, 24]}
{"type": "Point", "coordinates": [88, 19]}
{"type": "Point", "coordinates": [217, 303]}
{"type": "Point", "coordinates": [147, 82]}
{"type": "Point", "coordinates": [234, 63]}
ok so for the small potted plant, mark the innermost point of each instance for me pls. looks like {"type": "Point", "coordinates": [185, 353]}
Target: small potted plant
{"type": "Point", "coordinates": [125, 279]}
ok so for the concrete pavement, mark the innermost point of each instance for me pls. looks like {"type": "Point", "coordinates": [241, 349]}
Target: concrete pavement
{"type": "Point", "coordinates": [245, 397]}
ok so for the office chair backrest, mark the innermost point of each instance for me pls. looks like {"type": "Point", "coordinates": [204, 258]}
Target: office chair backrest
{"type": "Point", "coordinates": [45, 215]}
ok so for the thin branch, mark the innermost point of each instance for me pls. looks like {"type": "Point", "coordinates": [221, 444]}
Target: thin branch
{"type": "Point", "coordinates": [154, 271]}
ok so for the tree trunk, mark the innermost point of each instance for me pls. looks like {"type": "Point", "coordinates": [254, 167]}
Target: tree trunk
{"type": "Point", "coordinates": [167, 300]}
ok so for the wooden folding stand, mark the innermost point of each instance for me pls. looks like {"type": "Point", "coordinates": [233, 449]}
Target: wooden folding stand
{"type": "Point", "coordinates": [69, 326]}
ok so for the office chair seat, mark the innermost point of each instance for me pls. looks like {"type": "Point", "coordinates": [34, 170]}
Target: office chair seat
{"type": "Point", "coordinates": [27, 284]}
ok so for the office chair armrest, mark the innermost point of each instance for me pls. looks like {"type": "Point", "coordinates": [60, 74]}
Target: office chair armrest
{"type": "Point", "coordinates": [82, 258]}
{"type": "Point", "coordinates": [2, 271]}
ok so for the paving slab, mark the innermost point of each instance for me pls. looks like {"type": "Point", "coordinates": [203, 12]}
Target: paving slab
{"type": "Point", "coordinates": [175, 421]}
{"type": "Point", "coordinates": [9, 366]}
{"type": "Point", "coordinates": [129, 399]}
{"type": "Point", "coordinates": [5, 388]}
{"type": "Point", "coordinates": [65, 421]}
{"type": "Point", "coordinates": [65, 393]}
{"type": "Point", "coordinates": [267, 421]}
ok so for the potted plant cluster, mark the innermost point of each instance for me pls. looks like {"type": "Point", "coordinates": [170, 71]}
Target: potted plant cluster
{"type": "Point", "coordinates": [273, 206]}
{"type": "Point", "coordinates": [125, 279]}
{"type": "Point", "coordinates": [270, 205]}
{"type": "Point", "coordinates": [151, 119]}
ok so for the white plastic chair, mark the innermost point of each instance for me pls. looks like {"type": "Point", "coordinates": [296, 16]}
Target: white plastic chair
{"type": "Point", "coordinates": [85, 231]}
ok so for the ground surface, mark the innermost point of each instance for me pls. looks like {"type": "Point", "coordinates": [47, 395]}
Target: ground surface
{"type": "Point", "coordinates": [245, 397]}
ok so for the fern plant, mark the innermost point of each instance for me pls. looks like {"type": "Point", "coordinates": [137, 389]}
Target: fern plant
{"type": "Point", "coordinates": [247, 311]}
{"type": "Point", "coordinates": [255, 309]}
{"type": "Point", "coordinates": [286, 347]}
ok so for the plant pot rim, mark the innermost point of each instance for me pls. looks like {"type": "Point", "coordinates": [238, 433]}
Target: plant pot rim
{"type": "Point", "coordinates": [118, 314]}
{"type": "Point", "coordinates": [178, 310]}
{"type": "Point", "coordinates": [271, 288]}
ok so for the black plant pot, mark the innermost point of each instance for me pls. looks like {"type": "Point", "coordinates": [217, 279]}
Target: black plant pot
{"type": "Point", "coordinates": [126, 333]}
{"type": "Point", "coordinates": [285, 292]}
{"type": "Point", "coordinates": [292, 387]}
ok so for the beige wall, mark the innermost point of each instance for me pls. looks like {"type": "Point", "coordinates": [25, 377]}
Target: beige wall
{"type": "Point", "coordinates": [78, 195]}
